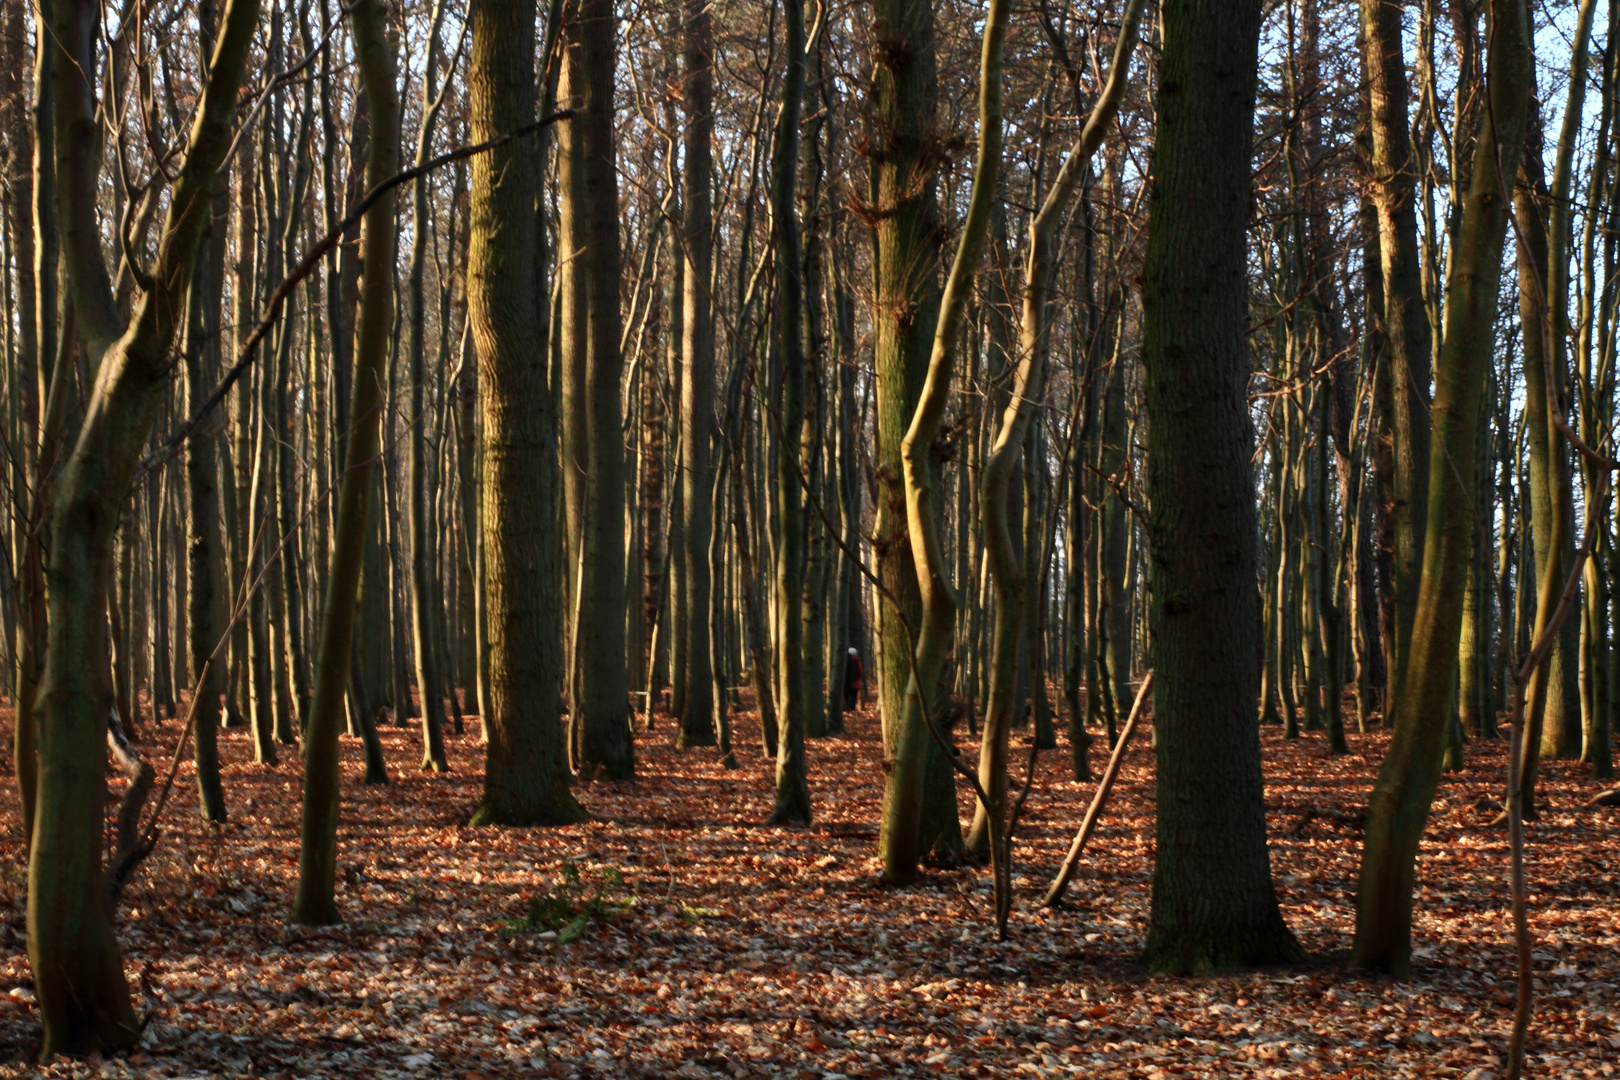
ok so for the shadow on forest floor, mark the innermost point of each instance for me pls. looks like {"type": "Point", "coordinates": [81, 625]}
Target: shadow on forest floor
{"type": "Point", "coordinates": [723, 948]}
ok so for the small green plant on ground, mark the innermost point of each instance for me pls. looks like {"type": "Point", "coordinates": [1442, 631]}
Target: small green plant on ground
{"type": "Point", "coordinates": [572, 903]}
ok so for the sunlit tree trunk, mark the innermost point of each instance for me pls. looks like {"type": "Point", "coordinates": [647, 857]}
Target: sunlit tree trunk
{"type": "Point", "coordinates": [526, 768]}
{"type": "Point", "coordinates": [904, 217]}
{"type": "Point", "coordinates": [901, 833]}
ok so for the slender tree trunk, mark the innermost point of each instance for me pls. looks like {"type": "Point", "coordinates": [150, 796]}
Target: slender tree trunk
{"type": "Point", "coordinates": [33, 251]}
{"type": "Point", "coordinates": [602, 704]}
{"type": "Point", "coordinates": [425, 620]}
{"type": "Point", "coordinates": [314, 902]}
{"type": "Point", "coordinates": [696, 717]}
{"type": "Point", "coordinates": [203, 552]}
{"type": "Point", "coordinates": [1405, 325]}
{"type": "Point", "coordinates": [792, 785]}
{"type": "Point", "coordinates": [1399, 805]}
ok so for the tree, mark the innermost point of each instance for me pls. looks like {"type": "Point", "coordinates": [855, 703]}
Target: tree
{"type": "Point", "coordinates": [697, 726]}
{"type": "Point", "coordinates": [904, 152]}
{"type": "Point", "coordinates": [425, 621]}
{"type": "Point", "coordinates": [1400, 801]}
{"type": "Point", "coordinates": [602, 690]}
{"type": "Point", "coordinates": [1213, 902]}
{"type": "Point", "coordinates": [1404, 374]}
{"type": "Point", "coordinates": [314, 902]}
{"type": "Point", "coordinates": [923, 709]}
{"type": "Point", "coordinates": [78, 973]}
{"type": "Point", "coordinates": [792, 786]}
{"type": "Point", "coordinates": [526, 769]}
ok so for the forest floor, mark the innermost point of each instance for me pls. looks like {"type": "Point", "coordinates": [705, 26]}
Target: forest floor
{"type": "Point", "coordinates": [721, 948]}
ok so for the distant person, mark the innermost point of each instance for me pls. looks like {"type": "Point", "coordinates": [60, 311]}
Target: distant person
{"type": "Point", "coordinates": [854, 679]}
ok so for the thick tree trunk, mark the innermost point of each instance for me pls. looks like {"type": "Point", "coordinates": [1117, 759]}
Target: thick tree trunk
{"type": "Point", "coordinates": [1213, 901]}
{"type": "Point", "coordinates": [526, 769]}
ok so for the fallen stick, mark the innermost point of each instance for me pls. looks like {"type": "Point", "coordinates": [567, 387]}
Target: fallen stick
{"type": "Point", "coordinates": [1099, 800]}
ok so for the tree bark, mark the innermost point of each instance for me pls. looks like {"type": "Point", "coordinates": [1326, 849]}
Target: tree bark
{"type": "Point", "coordinates": [526, 767]}
{"type": "Point", "coordinates": [792, 784]}
{"type": "Point", "coordinates": [78, 973]}
{"type": "Point", "coordinates": [314, 902]}
{"type": "Point", "coordinates": [1214, 905]}
{"type": "Point", "coordinates": [425, 609]}
{"type": "Point", "coordinates": [1405, 324]}
{"type": "Point", "coordinates": [602, 702]}
{"type": "Point", "coordinates": [697, 706]}
{"type": "Point", "coordinates": [1399, 805]}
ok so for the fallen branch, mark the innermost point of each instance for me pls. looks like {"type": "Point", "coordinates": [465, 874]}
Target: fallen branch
{"type": "Point", "coordinates": [1099, 800]}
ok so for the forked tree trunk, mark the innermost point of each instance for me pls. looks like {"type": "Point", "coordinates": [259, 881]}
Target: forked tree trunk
{"type": "Point", "coordinates": [905, 284]}
{"type": "Point", "coordinates": [1005, 563]}
{"type": "Point", "coordinates": [900, 836]}
{"type": "Point", "coordinates": [78, 973]}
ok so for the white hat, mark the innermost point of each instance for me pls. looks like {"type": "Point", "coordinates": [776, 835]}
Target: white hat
{"type": "Point", "coordinates": [852, 651]}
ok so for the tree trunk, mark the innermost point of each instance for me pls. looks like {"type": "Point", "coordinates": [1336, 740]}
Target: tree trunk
{"type": "Point", "coordinates": [314, 902]}
{"type": "Point", "coordinates": [1405, 324]}
{"type": "Point", "coordinates": [1213, 902]}
{"type": "Point", "coordinates": [792, 785]}
{"type": "Point", "coordinates": [425, 618]}
{"type": "Point", "coordinates": [78, 973]}
{"type": "Point", "coordinates": [1399, 805]}
{"type": "Point", "coordinates": [526, 770]}
{"type": "Point", "coordinates": [602, 703]}
{"type": "Point", "coordinates": [904, 219]}
{"type": "Point", "coordinates": [696, 717]}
